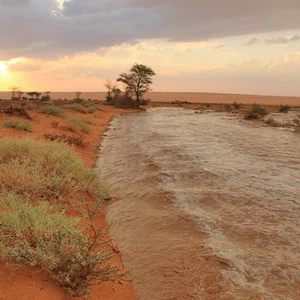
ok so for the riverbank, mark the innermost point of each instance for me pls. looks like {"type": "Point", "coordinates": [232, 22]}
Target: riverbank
{"type": "Point", "coordinates": [31, 283]}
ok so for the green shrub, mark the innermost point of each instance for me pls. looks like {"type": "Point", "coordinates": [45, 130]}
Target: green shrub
{"type": "Point", "coordinates": [75, 106]}
{"type": "Point", "coordinates": [91, 110]}
{"type": "Point", "coordinates": [88, 120]}
{"type": "Point", "coordinates": [39, 236]}
{"type": "Point", "coordinates": [44, 170]}
{"type": "Point", "coordinates": [52, 110]}
{"type": "Point", "coordinates": [284, 108]}
{"type": "Point", "coordinates": [256, 112]}
{"type": "Point", "coordinates": [75, 123]}
{"type": "Point", "coordinates": [18, 124]}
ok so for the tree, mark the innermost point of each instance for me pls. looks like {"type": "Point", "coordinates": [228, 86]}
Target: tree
{"type": "Point", "coordinates": [111, 87]}
{"type": "Point", "coordinates": [14, 90]}
{"type": "Point", "coordinates": [77, 95]}
{"type": "Point", "coordinates": [138, 81]}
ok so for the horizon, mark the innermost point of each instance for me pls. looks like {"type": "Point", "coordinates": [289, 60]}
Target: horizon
{"type": "Point", "coordinates": [224, 47]}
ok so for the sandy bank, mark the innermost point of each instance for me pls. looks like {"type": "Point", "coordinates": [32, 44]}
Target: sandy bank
{"type": "Point", "coordinates": [30, 283]}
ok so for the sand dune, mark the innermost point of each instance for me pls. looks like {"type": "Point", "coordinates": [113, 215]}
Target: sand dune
{"type": "Point", "coordinates": [191, 97]}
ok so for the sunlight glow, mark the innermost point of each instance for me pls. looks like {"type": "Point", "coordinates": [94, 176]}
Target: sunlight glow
{"type": "Point", "coordinates": [3, 66]}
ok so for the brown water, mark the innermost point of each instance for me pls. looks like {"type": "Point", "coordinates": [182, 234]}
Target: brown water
{"type": "Point", "coordinates": [207, 205]}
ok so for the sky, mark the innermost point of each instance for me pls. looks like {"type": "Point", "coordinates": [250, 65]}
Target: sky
{"type": "Point", "coordinates": [224, 46]}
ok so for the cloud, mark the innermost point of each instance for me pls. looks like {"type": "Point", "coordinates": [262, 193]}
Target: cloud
{"type": "Point", "coordinates": [278, 40]}
{"type": "Point", "coordinates": [51, 28]}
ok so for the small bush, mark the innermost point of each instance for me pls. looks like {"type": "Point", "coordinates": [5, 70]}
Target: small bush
{"type": "Point", "coordinates": [88, 120]}
{"type": "Point", "coordinates": [52, 110]}
{"type": "Point", "coordinates": [18, 124]}
{"type": "Point", "coordinates": [55, 243]}
{"type": "Point", "coordinates": [256, 112]}
{"type": "Point", "coordinates": [123, 101]}
{"type": "Point", "coordinates": [236, 105]}
{"type": "Point", "coordinates": [75, 123]}
{"type": "Point", "coordinates": [75, 106]}
{"type": "Point", "coordinates": [91, 110]}
{"type": "Point", "coordinates": [284, 108]}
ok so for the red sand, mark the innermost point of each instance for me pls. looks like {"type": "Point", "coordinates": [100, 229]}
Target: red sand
{"type": "Point", "coordinates": [30, 283]}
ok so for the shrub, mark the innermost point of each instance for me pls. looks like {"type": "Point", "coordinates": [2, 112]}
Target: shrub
{"type": "Point", "coordinates": [52, 110]}
{"type": "Point", "coordinates": [55, 243]}
{"type": "Point", "coordinates": [75, 123]}
{"type": "Point", "coordinates": [256, 112]}
{"type": "Point", "coordinates": [123, 101]}
{"type": "Point", "coordinates": [18, 124]}
{"type": "Point", "coordinates": [236, 105]}
{"type": "Point", "coordinates": [44, 170]}
{"type": "Point", "coordinates": [284, 108]}
{"type": "Point", "coordinates": [88, 120]}
{"type": "Point", "coordinates": [91, 110]}
{"type": "Point", "coordinates": [75, 106]}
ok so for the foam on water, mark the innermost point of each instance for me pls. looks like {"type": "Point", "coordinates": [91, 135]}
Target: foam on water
{"type": "Point", "coordinates": [208, 205]}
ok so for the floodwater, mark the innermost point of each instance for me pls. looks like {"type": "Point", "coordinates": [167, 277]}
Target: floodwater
{"type": "Point", "coordinates": [207, 205]}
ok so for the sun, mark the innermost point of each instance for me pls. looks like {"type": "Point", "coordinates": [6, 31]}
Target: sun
{"type": "Point", "coordinates": [3, 67]}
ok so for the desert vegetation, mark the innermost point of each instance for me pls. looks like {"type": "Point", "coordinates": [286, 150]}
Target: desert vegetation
{"type": "Point", "coordinates": [47, 179]}
{"type": "Point", "coordinates": [18, 124]}
{"type": "Point", "coordinates": [257, 111]}
{"type": "Point", "coordinates": [52, 110]}
{"type": "Point", "coordinates": [137, 82]}
{"type": "Point", "coordinates": [75, 123]}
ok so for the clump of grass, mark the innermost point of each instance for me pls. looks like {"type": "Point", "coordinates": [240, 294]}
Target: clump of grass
{"type": "Point", "coordinates": [88, 120]}
{"type": "Point", "coordinates": [91, 110]}
{"type": "Point", "coordinates": [76, 106]}
{"type": "Point", "coordinates": [52, 110]}
{"type": "Point", "coordinates": [74, 123]}
{"type": "Point", "coordinates": [18, 124]}
{"type": "Point", "coordinates": [256, 112]}
{"type": "Point", "coordinates": [69, 139]}
{"type": "Point", "coordinates": [49, 171]}
{"type": "Point", "coordinates": [284, 108]}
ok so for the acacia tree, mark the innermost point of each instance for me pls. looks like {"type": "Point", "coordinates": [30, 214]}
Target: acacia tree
{"type": "Point", "coordinates": [138, 81]}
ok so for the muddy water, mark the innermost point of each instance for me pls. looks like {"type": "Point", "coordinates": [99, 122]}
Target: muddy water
{"type": "Point", "coordinates": [207, 205]}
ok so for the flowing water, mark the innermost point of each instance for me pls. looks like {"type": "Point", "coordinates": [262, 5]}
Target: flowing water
{"type": "Point", "coordinates": [207, 205]}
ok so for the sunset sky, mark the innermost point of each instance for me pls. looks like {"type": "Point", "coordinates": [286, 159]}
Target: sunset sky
{"type": "Point", "coordinates": [230, 46]}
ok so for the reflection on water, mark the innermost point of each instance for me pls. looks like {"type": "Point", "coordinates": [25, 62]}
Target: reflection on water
{"type": "Point", "coordinates": [207, 205]}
